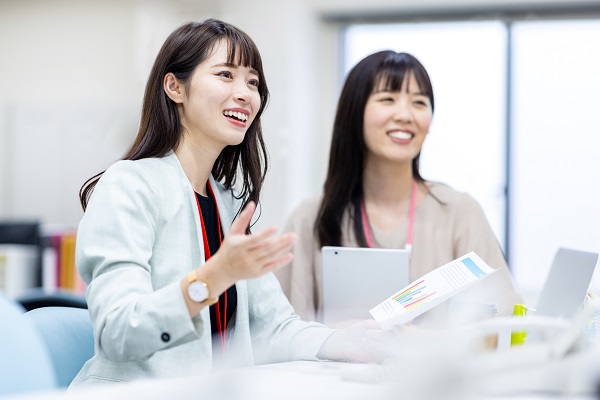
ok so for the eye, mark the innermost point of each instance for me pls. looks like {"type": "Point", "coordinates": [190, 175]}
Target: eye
{"type": "Point", "coordinates": [253, 82]}
{"type": "Point", "coordinates": [225, 74]}
{"type": "Point", "coordinates": [386, 99]}
{"type": "Point", "coordinates": [421, 101]}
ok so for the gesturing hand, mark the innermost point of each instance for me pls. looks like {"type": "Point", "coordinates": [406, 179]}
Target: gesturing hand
{"type": "Point", "coordinates": [244, 256]}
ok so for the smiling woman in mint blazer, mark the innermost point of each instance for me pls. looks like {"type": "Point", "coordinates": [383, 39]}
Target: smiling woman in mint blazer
{"type": "Point", "coordinates": [176, 282]}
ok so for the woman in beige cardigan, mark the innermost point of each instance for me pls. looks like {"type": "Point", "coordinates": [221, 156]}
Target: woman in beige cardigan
{"type": "Point", "coordinates": [374, 195]}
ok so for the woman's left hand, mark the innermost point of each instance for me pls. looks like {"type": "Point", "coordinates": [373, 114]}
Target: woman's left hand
{"type": "Point", "coordinates": [363, 342]}
{"type": "Point", "coordinates": [244, 256]}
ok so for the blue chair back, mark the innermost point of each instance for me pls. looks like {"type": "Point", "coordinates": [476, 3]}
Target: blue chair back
{"type": "Point", "coordinates": [25, 364]}
{"type": "Point", "coordinates": [39, 298]}
{"type": "Point", "coordinates": [67, 333]}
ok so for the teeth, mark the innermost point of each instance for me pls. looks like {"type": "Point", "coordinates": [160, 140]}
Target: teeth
{"type": "Point", "coordinates": [401, 135]}
{"type": "Point", "coordinates": [238, 115]}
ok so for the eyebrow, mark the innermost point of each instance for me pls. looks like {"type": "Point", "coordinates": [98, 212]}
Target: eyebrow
{"type": "Point", "coordinates": [231, 65]}
{"type": "Point", "coordinates": [395, 91]}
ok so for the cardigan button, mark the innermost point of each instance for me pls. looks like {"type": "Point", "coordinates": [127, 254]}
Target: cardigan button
{"type": "Point", "coordinates": [165, 337]}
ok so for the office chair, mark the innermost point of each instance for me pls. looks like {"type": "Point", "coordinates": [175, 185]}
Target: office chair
{"type": "Point", "coordinates": [25, 364]}
{"type": "Point", "coordinates": [38, 298]}
{"type": "Point", "coordinates": [68, 336]}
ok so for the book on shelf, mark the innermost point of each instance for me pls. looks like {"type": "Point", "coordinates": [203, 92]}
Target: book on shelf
{"type": "Point", "coordinates": [58, 262]}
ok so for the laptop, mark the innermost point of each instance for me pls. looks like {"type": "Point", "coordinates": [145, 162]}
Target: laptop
{"type": "Point", "coordinates": [357, 279]}
{"type": "Point", "coordinates": [567, 284]}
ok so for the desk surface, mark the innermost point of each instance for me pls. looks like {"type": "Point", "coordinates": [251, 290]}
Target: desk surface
{"type": "Point", "coordinates": [296, 380]}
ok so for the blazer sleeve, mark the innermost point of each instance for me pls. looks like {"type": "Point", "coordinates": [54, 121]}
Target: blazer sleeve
{"type": "Point", "coordinates": [278, 333]}
{"type": "Point", "coordinates": [131, 319]}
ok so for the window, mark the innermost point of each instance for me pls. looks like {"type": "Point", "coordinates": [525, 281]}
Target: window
{"type": "Point", "coordinates": [555, 137]}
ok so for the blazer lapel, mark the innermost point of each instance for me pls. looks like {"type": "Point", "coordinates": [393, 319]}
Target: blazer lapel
{"type": "Point", "coordinates": [171, 159]}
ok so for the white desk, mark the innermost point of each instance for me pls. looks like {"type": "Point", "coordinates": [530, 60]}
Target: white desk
{"type": "Point", "coordinates": [418, 367]}
{"type": "Point", "coordinates": [290, 381]}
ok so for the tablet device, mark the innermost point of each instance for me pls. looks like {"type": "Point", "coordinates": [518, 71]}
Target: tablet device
{"type": "Point", "coordinates": [357, 279]}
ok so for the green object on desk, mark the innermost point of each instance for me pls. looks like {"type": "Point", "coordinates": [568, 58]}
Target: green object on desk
{"type": "Point", "coordinates": [517, 338]}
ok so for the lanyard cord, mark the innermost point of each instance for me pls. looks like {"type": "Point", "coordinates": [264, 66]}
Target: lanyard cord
{"type": "Point", "coordinates": [221, 324]}
{"type": "Point", "coordinates": [411, 219]}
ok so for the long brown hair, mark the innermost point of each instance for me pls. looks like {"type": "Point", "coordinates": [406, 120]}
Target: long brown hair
{"type": "Point", "coordinates": [343, 185]}
{"type": "Point", "coordinates": [160, 127]}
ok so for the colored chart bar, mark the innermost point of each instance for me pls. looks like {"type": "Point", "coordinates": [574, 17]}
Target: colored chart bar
{"type": "Point", "coordinates": [413, 296]}
{"type": "Point", "coordinates": [407, 291]}
{"type": "Point", "coordinates": [470, 264]}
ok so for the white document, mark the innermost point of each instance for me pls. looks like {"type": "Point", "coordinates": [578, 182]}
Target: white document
{"type": "Point", "coordinates": [430, 290]}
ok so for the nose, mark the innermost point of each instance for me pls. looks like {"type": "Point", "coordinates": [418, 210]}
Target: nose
{"type": "Point", "coordinates": [403, 112]}
{"type": "Point", "coordinates": [242, 93]}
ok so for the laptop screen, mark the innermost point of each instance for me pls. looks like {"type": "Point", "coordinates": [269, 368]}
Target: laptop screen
{"type": "Point", "coordinates": [567, 284]}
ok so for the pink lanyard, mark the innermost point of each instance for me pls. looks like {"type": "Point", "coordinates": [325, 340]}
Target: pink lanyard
{"type": "Point", "coordinates": [411, 219]}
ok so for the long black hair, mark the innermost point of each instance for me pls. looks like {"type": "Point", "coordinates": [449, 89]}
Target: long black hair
{"type": "Point", "coordinates": [343, 185]}
{"type": "Point", "coordinates": [160, 127]}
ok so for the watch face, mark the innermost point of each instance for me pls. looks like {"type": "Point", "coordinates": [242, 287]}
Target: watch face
{"type": "Point", "coordinates": [197, 291]}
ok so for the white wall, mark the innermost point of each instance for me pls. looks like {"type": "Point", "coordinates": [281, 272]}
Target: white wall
{"type": "Point", "coordinates": [72, 77]}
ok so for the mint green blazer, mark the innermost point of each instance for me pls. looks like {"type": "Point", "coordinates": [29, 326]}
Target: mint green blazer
{"type": "Point", "coordinates": [139, 236]}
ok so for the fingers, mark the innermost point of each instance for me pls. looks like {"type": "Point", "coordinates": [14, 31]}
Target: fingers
{"type": "Point", "coordinates": [360, 350]}
{"type": "Point", "coordinates": [274, 247]}
{"type": "Point", "coordinates": [239, 225]}
{"type": "Point", "coordinates": [251, 255]}
{"type": "Point", "coordinates": [363, 341]}
{"type": "Point", "coordinates": [371, 324]}
{"type": "Point", "coordinates": [257, 239]}
{"type": "Point", "coordinates": [243, 220]}
{"type": "Point", "coordinates": [275, 253]}
{"type": "Point", "coordinates": [398, 329]}
{"type": "Point", "coordinates": [278, 263]}
{"type": "Point", "coordinates": [368, 349]}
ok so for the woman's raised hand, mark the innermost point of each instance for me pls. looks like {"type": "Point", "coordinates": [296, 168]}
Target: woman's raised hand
{"type": "Point", "coordinates": [247, 256]}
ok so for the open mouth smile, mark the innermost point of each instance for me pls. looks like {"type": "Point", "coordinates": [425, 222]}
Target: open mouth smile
{"type": "Point", "coordinates": [401, 135]}
{"type": "Point", "coordinates": [236, 115]}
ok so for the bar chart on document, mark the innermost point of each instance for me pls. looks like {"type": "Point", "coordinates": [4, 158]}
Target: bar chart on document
{"type": "Point", "coordinates": [414, 295]}
{"type": "Point", "coordinates": [431, 290]}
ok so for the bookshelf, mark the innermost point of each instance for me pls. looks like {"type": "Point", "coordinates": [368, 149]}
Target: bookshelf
{"type": "Point", "coordinates": [36, 256]}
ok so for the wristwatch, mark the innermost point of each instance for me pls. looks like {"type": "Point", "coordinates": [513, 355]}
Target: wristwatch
{"type": "Point", "coordinates": [198, 290]}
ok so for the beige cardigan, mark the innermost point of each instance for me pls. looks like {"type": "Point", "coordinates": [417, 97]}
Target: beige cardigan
{"type": "Point", "coordinates": [443, 230]}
